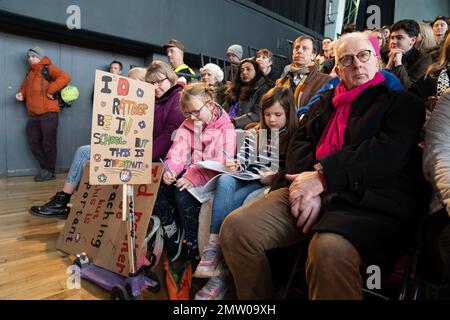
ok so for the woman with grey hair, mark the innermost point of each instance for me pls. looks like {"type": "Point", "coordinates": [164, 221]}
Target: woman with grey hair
{"type": "Point", "coordinates": [353, 185]}
{"type": "Point", "coordinates": [213, 75]}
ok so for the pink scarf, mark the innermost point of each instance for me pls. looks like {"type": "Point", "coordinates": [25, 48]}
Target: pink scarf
{"type": "Point", "coordinates": [332, 138]}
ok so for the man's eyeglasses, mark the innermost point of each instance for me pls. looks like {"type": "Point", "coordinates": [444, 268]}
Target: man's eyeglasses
{"type": "Point", "coordinates": [158, 82]}
{"type": "Point", "coordinates": [363, 56]}
{"type": "Point", "coordinates": [195, 113]}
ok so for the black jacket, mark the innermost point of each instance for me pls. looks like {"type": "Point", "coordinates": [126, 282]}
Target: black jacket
{"type": "Point", "coordinates": [376, 187]}
{"type": "Point", "coordinates": [249, 110]}
{"type": "Point", "coordinates": [414, 67]}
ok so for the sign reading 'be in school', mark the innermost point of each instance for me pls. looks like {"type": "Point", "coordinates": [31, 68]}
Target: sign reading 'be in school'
{"type": "Point", "coordinates": [122, 128]}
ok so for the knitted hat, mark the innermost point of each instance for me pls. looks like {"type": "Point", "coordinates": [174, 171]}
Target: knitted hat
{"type": "Point", "coordinates": [214, 69]}
{"type": "Point", "coordinates": [235, 49]}
{"type": "Point", "coordinates": [174, 43]}
{"type": "Point", "coordinates": [37, 52]}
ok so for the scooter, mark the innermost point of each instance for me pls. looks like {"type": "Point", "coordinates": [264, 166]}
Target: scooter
{"type": "Point", "coordinates": [131, 287]}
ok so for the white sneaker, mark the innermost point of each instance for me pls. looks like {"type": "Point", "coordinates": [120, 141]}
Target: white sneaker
{"type": "Point", "coordinates": [215, 288]}
{"type": "Point", "coordinates": [210, 259]}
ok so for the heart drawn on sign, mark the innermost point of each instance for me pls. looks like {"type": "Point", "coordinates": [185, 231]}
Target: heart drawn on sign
{"type": "Point", "coordinates": [103, 103]}
{"type": "Point", "coordinates": [96, 169]}
{"type": "Point", "coordinates": [136, 132]}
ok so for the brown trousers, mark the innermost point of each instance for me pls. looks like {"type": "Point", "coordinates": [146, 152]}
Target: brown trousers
{"type": "Point", "coordinates": [332, 268]}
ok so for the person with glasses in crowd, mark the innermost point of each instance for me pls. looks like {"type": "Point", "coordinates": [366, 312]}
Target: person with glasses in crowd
{"type": "Point", "coordinates": [167, 118]}
{"type": "Point", "coordinates": [205, 134]}
{"type": "Point", "coordinates": [353, 186]}
{"type": "Point", "coordinates": [264, 153]}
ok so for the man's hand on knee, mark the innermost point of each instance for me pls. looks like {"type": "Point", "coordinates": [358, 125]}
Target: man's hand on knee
{"type": "Point", "coordinates": [306, 184]}
{"type": "Point", "coordinates": [309, 213]}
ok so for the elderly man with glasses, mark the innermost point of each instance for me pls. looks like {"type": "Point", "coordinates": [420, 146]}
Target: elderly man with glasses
{"type": "Point", "coordinates": [353, 186]}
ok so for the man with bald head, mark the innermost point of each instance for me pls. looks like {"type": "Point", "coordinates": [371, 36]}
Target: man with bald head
{"type": "Point", "coordinates": [353, 185]}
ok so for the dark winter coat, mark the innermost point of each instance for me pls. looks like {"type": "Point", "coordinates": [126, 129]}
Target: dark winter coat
{"type": "Point", "coordinates": [376, 188]}
{"type": "Point", "coordinates": [414, 67]}
{"type": "Point", "coordinates": [168, 118]}
{"type": "Point", "coordinates": [249, 110]}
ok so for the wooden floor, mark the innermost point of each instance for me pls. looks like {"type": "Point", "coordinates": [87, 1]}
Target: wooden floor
{"type": "Point", "coordinates": [30, 265]}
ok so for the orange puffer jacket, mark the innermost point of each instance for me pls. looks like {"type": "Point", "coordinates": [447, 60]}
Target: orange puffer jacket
{"type": "Point", "coordinates": [35, 88]}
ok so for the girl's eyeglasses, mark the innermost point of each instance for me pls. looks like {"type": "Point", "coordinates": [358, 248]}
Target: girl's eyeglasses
{"type": "Point", "coordinates": [196, 113]}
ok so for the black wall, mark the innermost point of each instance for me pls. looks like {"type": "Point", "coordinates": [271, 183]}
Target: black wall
{"type": "Point", "coordinates": [387, 8]}
{"type": "Point", "coordinates": [203, 26]}
{"type": "Point", "coordinates": [310, 14]}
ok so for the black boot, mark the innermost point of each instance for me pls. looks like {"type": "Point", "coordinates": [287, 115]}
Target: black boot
{"type": "Point", "coordinates": [55, 208]}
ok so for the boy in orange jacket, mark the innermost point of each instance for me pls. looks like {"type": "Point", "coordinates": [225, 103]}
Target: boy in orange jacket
{"type": "Point", "coordinates": [42, 126]}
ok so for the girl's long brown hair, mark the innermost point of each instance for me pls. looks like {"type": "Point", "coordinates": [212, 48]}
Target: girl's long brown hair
{"type": "Point", "coordinates": [285, 98]}
{"type": "Point", "coordinates": [443, 61]}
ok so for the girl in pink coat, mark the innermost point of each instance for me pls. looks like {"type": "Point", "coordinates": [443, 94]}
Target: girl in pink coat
{"type": "Point", "coordinates": [205, 134]}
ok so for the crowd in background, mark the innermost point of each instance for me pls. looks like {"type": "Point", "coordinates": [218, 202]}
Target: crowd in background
{"type": "Point", "coordinates": [345, 127]}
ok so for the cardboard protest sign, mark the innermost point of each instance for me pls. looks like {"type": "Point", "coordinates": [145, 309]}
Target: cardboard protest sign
{"type": "Point", "coordinates": [95, 224]}
{"type": "Point", "coordinates": [122, 128]}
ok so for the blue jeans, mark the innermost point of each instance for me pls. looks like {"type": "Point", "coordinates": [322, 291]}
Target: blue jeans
{"type": "Point", "coordinates": [230, 194]}
{"type": "Point", "coordinates": [76, 168]}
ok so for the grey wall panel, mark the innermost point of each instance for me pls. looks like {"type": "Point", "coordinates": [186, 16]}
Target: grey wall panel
{"type": "Point", "coordinates": [207, 26]}
{"type": "Point", "coordinates": [421, 10]}
{"type": "Point", "coordinates": [3, 92]}
{"type": "Point", "coordinates": [74, 124]}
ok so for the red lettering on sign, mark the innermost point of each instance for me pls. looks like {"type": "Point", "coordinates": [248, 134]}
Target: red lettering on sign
{"type": "Point", "coordinates": [123, 87]}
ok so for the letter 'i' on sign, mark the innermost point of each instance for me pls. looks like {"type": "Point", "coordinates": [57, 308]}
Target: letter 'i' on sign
{"type": "Point", "coordinates": [106, 80]}
{"type": "Point", "coordinates": [374, 280]}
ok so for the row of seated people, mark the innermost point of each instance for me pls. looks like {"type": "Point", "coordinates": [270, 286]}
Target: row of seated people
{"type": "Point", "coordinates": [349, 172]}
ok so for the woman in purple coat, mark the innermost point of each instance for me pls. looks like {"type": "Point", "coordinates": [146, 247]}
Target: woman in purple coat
{"type": "Point", "coordinates": [167, 118]}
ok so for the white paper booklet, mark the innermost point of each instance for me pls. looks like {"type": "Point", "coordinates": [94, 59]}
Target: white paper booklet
{"type": "Point", "coordinates": [205, 192]}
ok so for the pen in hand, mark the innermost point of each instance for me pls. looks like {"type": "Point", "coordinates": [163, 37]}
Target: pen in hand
{"type": "Point", "coordinates": [168, 170]}
{"type": "Point", "coordinates": [232, 165]}
{"type": "Point", "coordinates": [227, 155]}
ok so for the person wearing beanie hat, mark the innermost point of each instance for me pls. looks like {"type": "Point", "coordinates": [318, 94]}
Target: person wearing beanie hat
{"type": "Point", "coordinates": [234, 53]}
{"type": "Point", "coordinates": [213, 75]}
{"type": "Point", "coordinates": [36, 52]}
{"type": "Point", "coordinates": [43, 108]}
{"type": "Point", "coordinates": [175, 55]}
